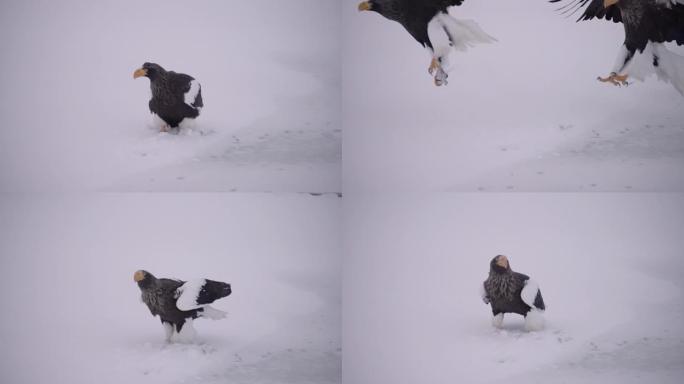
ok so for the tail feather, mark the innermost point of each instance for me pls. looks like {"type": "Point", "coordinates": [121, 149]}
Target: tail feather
{"type": "Point", "coordinates": [210, 312]}
{"type": "Point", "coordinates": [656, 58]}
{"type": "Point", "coordinates": [670, 67]}
{"type": "Point", "coordinates": [463, 34]}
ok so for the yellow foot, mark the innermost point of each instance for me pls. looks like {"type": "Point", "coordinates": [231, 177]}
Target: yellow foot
{"type": "Point", "coordinates": [615, 79]}
{"type": "Point", "coordinates": [434, 65]}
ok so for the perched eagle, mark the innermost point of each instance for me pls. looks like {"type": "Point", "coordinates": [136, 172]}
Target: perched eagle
{"type": "Point", "coordinates": [428, 21]}
{"type": "Point", "coordinates": [512, 292]}
{"type": "Point", "coordinates": [178, 302]}
{"type": "Point", "coordinates": [648, 25]}
{"type": "Point", "coordinates": [175, 96]}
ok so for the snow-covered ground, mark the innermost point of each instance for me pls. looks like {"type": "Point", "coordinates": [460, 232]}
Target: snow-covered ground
{"type": "Point", "coordinates": [609, 267]}
{"type": "Point", "coordinates": [74, 118]}
{"type": "Point", "coordinates": [72, 312]}
{"type": "Point", "coordinates": [523, 114]}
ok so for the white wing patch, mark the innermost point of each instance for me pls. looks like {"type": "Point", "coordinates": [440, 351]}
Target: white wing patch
{"type": "Point", "coordinates": [188, 294]}
{"type": "Point", "coordinates": [529, 292]}
{"type": "Point", "coordinates": [191, 95]}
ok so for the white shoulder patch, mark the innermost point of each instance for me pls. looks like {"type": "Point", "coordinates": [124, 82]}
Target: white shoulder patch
{"type": "Point", "coordinates": [529, 292]}
{"type": "Point", "coordinates": [191, 95]}
{"type": "Point", "coordinates": [188, 294]}
{"type": "Point", "coordinates": [483, 292]}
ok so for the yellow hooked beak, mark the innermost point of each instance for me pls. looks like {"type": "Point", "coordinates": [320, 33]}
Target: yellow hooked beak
{"type": "Point", "coordinates": [502, 261]}
{"type": "Point", "coordinates": [139, 275]}
{"type": "Point", "coordinates": [608, 3]}
{"type": "Point", "coordinates": [139, 72]}
{"type": "Point", "coordinates": [364, 6]}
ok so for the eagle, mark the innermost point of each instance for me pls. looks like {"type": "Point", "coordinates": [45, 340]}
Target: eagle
{"type": "Point", "coordinates": [648, 25]}
{"type": "Point", "coordinates": [176, 97]}
{"type": "Point", "coordinates": [178, 303]}
{"type": "Point", "coordinates": [512, 292]}
{"type": "Point", "coordinates": [429, 22]}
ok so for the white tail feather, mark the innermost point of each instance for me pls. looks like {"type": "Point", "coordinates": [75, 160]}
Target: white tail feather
{"type": "Point", "coordinates": [463, 34]}
{"type": "Point", "coordinates": [670, 67]}
{"type": "Point", "coordinates": [448, 34]}
{"type": "Point", "coordinates": [210, 312]}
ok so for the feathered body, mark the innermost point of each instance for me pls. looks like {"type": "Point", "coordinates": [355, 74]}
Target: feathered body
{"type": "Point", "coordinates": [507, 291]}
{"type": "Point", "coordinates": [429, 22]}
{"type": "Point", "coordinates": [178, 302]}
{"type": "Point", "coordinates": [648, 24]}
{"type": "Point", "coordinates": [175, 96]}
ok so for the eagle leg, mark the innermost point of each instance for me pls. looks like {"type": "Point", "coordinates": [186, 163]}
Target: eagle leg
{"type": "Point", "coordinates": [434, 65]}
{"type": "Point", "coordinates": [164, 128]}
{"type": "Point", "coordinates": [614, 79]}
{"type": "Point", "coordinates": [497, 320]}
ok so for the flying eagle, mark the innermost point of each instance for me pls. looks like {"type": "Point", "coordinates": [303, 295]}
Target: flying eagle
{"type": "Point", "coordinates": [175, 96]}
{"type": "Point", "coordinates": [178, 302]}
{"type": "Point", "coordinates": [429, 22]}
{"type": "Point", "coordinates": [512, 292]}
{"type": "Point", "coordinates": [648, 25]}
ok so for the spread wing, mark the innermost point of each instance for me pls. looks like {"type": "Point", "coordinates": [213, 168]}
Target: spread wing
{"type": "Point", "coordinates": [443, 4]}
{"type": "Point", "coordinates": [595, 9]}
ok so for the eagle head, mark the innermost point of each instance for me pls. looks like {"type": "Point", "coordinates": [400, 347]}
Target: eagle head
{"type": "Point", "coordinates": [149, 70]}
{"type": "Point", "coordinates": [365, 6]}
{"type": "Point", "coordinates": [499, 264]}
{"type": "Point", "coordinates": [143, 278]}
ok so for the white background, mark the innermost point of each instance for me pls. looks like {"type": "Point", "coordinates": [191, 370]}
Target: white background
{"type": "Point", "coordinates": [608, 265]}
{"type": "Point", "coordinates": [74, 118]}
{"type": "Point", "coordinates": [72, 312]}
{"type": "Point", "coordinates": [523, 114]}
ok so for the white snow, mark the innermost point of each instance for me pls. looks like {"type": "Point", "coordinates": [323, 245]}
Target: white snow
{"type": "Point", "coordinates": [529, 292]}
{"type": "Point", "coordinates": [188, 293]}
{"type": "Point", "coordinates": [523, 114]}
{"type": "Point", "coordinates": [609, 265]}
{"type": "Point", "coordinates": [74, 119]}
{"type": "Point", "coordinates": [73, 313]}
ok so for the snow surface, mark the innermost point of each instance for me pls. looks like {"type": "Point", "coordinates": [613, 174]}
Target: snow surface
{"type": "Point", "coordinates": [610, 267]}
{"type": "Point", "coordinates": [74, 118]}
{"type": "Point", "coordinates": [525, 113]}
{"type": "Point", "coordinates": [72, 312]}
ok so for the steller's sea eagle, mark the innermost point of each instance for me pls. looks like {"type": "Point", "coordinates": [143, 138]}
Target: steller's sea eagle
{"type": "Point", "coordinates": [175, 96]}
{"type": "Point", "coordinates": [512, 292]}
{"type": "Point", "coordinates": [178, 303]}
{"type": "Point", "coordinates": [648, 25]}
{"type": "Point", "coordinates": [429, 22]}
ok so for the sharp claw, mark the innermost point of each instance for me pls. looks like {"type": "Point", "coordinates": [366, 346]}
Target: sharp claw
{"type": "Point", "coordinates": [434, 64]}
{"type": "Point", "coordinates": [615, 79]}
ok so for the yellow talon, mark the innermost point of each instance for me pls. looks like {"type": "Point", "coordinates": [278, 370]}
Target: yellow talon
{"type": "Point", "coordinates": [615, 79]}
{"type": "Point", "coordinates": [434, 64]}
